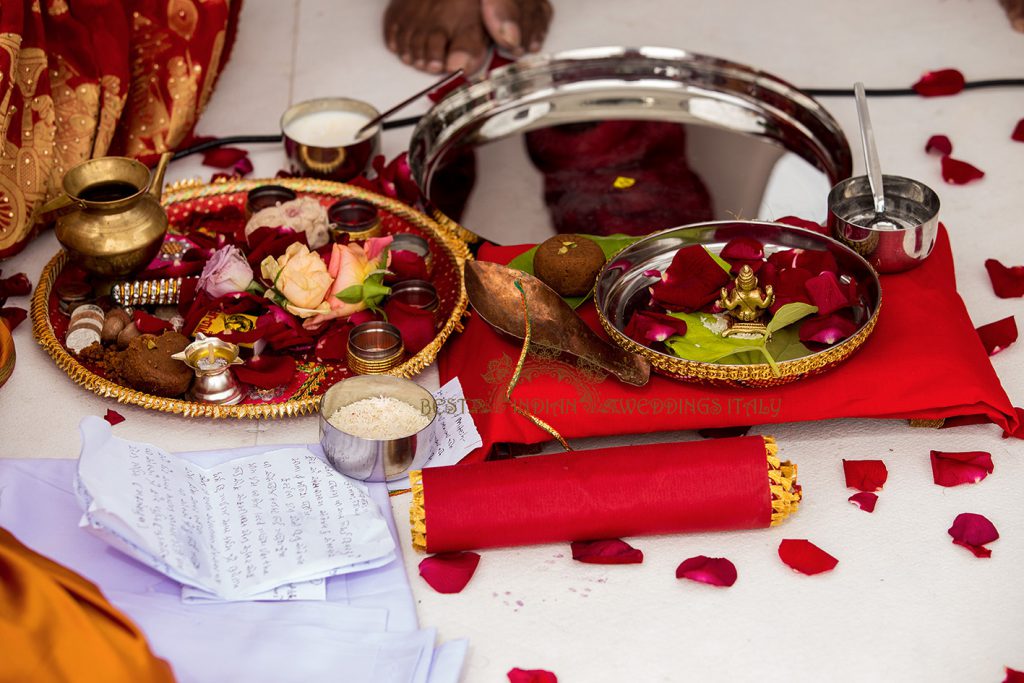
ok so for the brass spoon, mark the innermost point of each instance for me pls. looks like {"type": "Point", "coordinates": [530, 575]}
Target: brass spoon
{"type": "Point", "coordinates": [555, 325]}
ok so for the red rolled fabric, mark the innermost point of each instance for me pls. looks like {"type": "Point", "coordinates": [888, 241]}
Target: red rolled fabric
{"type": "Point", "coordinates": [715, 485]}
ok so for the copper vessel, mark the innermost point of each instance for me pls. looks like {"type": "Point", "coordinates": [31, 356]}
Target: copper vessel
{"type": "Point", "coordinates": [109, 217]}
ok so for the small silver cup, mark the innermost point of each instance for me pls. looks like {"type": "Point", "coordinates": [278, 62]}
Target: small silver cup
{"type": "Point", "coordinates": [911, 221]}
{"type": "Point", "coordinates": [373, 459]}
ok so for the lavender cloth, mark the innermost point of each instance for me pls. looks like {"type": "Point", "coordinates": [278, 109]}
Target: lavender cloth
{"type": "Point", "coordinates": [366, 630]}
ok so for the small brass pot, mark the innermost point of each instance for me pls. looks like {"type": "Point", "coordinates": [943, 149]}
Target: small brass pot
{"type": "Point", "coordinates": [109, 217]}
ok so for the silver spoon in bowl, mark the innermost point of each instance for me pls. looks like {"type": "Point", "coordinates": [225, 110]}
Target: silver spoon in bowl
{"type": "Point", "coordinates": [874, 170]}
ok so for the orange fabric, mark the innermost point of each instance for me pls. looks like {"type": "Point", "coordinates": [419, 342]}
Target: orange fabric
{"type": "Point", "coordinates": [57, 626]}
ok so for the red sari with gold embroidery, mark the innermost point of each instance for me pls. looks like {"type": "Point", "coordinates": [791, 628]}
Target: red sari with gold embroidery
{"type": "Point", "coordinates": [85, 78]}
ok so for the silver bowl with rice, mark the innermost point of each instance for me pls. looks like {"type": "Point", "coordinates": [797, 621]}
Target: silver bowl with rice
{"type": "Point", "coordinates": [371, 426]}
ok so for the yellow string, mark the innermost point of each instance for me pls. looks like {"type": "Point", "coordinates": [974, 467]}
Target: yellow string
{"type": "Point", "coordinates": [519, 368]}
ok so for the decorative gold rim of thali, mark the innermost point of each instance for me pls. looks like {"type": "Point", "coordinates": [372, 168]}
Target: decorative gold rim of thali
{"type": "Point", "coordinates": [193, 189]}
{"type": "Point", "coordinates": [752, 375]}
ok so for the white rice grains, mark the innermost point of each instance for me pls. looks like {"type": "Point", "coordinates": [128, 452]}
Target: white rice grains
{"type": "Point", "coordinates": [380, 418]}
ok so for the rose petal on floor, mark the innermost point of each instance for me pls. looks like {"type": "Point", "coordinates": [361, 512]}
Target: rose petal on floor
{"type": "Point", "coordinates": [954, 469]}
{"type": "Point", "coordinates": [805, 557]}
{"type": "Point", "coordinates": [1007, 282]}
{"type": "Point", "coordinates": [957, 172]}
{"type": "Point", "coordinates": [518, 675]}
{"type": "Point", "coordinates": [973, 531]}
{"type": "Point", "coordinates": [998, 335]}
{"type": "Point", "coordinates": [1013, 676]}
{"type": "Point", "coordinates": [113, 417]}
{"type": "Point", "coordinates": [607, 551]}
{"type": "Point", "coordinates": [12, 316]}
{"type": "Point", "coordinates": [865, 475]}
{"type": "Point", "coordinates": [449, 572]}
{"type": "Point", "coordinates": [939, 144]}
{"type": "Point", "coordinates": [939, 83]}
{"type": "Point", "coordinates": [716, 571]}
{"type": "Point", "coordinates": [864, 500]}
{"type": "Point", "coordinates": [1018, 132]}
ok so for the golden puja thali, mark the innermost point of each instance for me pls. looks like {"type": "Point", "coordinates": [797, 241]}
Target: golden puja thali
{"type": "Point", "coordinates": [202, 214]}
{"type": "Point", "coordinates": [678, 298]}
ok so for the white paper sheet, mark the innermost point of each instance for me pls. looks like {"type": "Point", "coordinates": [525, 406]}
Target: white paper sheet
{"type": "Point", "coordinates": [236, 529]}
{"type": "Point", "coordinates": [452, 436]}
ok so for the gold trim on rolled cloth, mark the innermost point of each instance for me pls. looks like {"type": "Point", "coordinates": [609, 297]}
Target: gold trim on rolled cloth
{"type": "Point", "coordinates": [782, 485]}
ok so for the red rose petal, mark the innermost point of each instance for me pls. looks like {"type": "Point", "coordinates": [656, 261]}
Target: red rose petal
{"type": "Point", "coordinates": [740, 251]}
{"type": "Point", "coordinates": [716, 571]}
{"type": "Point", "coordinates": [826, 293]}
{"type": "Point", "coordinates": [407, 265]}
{"type": "Point", "coordinates": [333, 342]}
{"type": "Point", "coordinates": [1018, 132]}
{"type": "Point", "coordinates": [973, 531]}
{"type": "Point", "coordinates": [722, 432]}
{"type": "Point", "coordinates": [12, 316]}
{"type": "Point", "coordinates": [864, 500]}
{"type": "Point", "coordinates": [865, 475]}
{"type": "Point", "coordinates": [998, 335]}
{"type": "Point", "coordinates": [150, 324]}
{"type": "Point", "coordinates": [692, 281]}
{"type": "Point", "coordinates": [223, 157]}
{"type": "Point", "coordinates": [805, 557]}
{"type": "Point", "coordinates": [518, 675]}
{"type": "Point", "coordinates": [648, 326]}
{"type": "Point", "coordinates": [15, 285]}
{"type": "Point", "coordinates": [449, 572]}
{"type": "Point", "coordinates": [267, 371]}
{"type": "Point", "coordinates": [954, 469]}
{"type": "Point", "coordinates": [1013, 676]}
{"type": "Point", "coordinates": [416, 325]}
{"type": "Point", "coordinates": [939, 144]}
{"type": "Point", "coordinates": [609, 551]}
{"type": "Point", "coordinates": [938, 83]}
{"type": "Point", "coordinates": [1007, 283]}
{"type": "Point", "coordinates": [956, 172]}
{"type": "Point", "coordinates": [826, 329]}
{"type": "Point", "coordinates": [803, 223]}
{"type": "Point", "coordinates": [113, 417]}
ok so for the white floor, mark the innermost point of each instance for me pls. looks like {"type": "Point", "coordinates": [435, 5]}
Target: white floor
{"type": "Point", "coordinates": [904, 604]}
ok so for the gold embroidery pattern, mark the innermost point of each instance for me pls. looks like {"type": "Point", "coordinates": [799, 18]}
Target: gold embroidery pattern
{"type": "Point", "coordinates": [25, 168]}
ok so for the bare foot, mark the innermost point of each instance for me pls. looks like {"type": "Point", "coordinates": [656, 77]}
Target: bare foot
{"type": "Point", "coordinates": [1015, 13]}
{"type": "Point", "coordinates": [436, 35]}
{"type": "Point", "coordinates": [517, 25]}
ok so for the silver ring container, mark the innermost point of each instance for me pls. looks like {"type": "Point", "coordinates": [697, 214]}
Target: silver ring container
{"type": "Point", "coordinates": [371, 459]}
{"type": "Point", "coordinates": [910, 204]}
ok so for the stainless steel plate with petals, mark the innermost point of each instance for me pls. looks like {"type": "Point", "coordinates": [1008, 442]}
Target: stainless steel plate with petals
{"type": "Point", "coordinates": [631, 140]}
{"type": "Point", "coordinates": [623, 288]}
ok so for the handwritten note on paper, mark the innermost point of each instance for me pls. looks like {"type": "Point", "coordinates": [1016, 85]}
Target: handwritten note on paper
{"type": "Point", "coordinates": [235, 530]}
{"type": "Point", "coordinates": [303, 590]}
{"type": "Point", "coordinates": [451, 437]}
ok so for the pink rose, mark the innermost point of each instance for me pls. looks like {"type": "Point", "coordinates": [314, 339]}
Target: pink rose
{"type": "Point", "coordinates": [227, 271]}
{"type": "Point", "coordinates": [355, 286]}
{"type": "Point", "coordinates": [300, 278]}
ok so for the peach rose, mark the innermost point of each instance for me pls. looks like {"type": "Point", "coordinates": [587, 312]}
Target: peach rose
{"type": "Point", "coordinates": [355, 286]}
{"type": "Point", "coordinates": [299, 277]}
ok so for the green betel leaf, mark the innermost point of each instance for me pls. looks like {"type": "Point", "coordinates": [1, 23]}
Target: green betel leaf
{"type": "Point", "coordinates": [702, 345]}
{"type": "Point", "coordinates": [610, 245]}
{"type": "Point", "coordinates": [785, 345]}
{"type": "Point", "coordinates": [723, 264]}
{"type": "Point", "coordinates": [351, 295]}
{"type": "Point", "coordinates": [789, 314]}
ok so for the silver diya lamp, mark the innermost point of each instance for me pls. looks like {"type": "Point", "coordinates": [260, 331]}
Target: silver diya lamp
{"type": "Point", "coordinates": [211, 359]}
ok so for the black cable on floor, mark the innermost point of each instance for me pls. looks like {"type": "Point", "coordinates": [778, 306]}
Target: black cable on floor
{"type": "Point", "coordinates": [413, 120]}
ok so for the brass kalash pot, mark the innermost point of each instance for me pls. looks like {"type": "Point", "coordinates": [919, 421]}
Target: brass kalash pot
{"type": "Point", "coordinates": [109, 218]}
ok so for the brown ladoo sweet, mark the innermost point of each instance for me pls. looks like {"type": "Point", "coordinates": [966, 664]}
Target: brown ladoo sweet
{"type": "Point", "coordinates": [568, 264]}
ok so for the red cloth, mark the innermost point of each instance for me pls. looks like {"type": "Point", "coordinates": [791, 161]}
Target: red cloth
{"type": "Point", "coordinates": [85, 78]}
{"type": "Point", "coordinates": [924, 360]}
{"type": "Point", "coordinates": [715, 485]}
